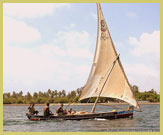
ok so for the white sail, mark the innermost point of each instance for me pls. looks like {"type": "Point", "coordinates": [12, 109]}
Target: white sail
{"type": "Point", "coordinates": [117, 85]}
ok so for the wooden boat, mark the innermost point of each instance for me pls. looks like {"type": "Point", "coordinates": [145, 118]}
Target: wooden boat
{"type": "Point", "coordinates": [107, 79]}
{"type": "Point", "coordinates": [107, 115]}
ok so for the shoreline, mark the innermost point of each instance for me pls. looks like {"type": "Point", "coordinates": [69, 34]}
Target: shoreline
{"type": "Point", "coordinates": [87, 104]}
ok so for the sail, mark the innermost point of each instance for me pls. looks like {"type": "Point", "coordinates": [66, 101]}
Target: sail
{"type": "Point", "coordinates": [117, 85]}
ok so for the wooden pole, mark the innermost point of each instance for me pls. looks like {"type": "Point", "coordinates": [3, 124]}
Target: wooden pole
{"type": "Point", "coordinates": [94, 106]}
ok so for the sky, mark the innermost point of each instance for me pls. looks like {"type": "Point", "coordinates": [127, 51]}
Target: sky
{"type": "Point", "coordinates": [51, 46]}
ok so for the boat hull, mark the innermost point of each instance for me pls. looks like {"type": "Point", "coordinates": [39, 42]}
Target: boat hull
{"type": "Point", "coordinates": [107, 115]}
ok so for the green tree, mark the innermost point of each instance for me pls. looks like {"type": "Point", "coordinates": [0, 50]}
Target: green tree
{"type": "Point", "coordinates": [54, 93]}
{"type": "Point", "coordinates": [49, 92]}
{"type": "Point", "coordinates": [35, 95]}
{"type": "Point", "coordinates": [60, 94]}
{"type": "Point", "coordinates": [63, 93]}
{"type": "Point", "coordinates": [7, 101]}
{"type": "Point", "coordinates": [20, 94]}
{"type": "Point", "coordinates": [7, 95]}
{"type": "Point", "coordinates": [19, 100]}
{"type": "Point", "coordinates": [14, 95]}
{"type": "Point", "coordinates": [135, 89]}
{"type": "Point", "coordinates": [40, 94]}
{"type": "Point", "coordinates": [152, 91]}
{"type": "Point", "coordinates": [28, 96]}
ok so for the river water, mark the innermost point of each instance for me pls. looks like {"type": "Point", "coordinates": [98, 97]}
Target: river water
{"type": "Point", "coordinates": [148, 120]}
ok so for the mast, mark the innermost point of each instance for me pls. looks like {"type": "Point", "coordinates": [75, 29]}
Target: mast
{"type": "Point", "coordinates": [94, 106]}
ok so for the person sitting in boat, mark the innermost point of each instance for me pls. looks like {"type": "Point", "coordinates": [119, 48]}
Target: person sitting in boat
{"type": "Point", "coordinates": [60, 110]}
{"type": "Point", "coordinates": [32, 109]}
{"type": "Point", "coordinates": [47, 111]}
{"type": "Point", "coordinates": [71, 111]}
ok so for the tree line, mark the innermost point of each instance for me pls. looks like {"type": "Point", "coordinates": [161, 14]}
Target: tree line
{"type": "Point", "coordinates": [151, 95]}
{"type": "Point", "coordinates": [55, 96]}
{"type": "Point", "coordinates": [50, 96]}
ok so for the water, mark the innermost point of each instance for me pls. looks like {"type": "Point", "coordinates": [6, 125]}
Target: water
{"type": "Point", "coordinates": [148, 120]}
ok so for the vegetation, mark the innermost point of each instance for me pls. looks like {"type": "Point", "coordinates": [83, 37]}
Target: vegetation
{"type": "Point", "coordinates": [151, 96]}
{"type": "Point", "coordinates": [55, 96]}
{"type": "Point", "coordinates": [51, 96]}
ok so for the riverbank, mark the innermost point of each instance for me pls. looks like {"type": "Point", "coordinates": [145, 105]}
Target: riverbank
{"type": "Point", "coordinates": [57, 104]}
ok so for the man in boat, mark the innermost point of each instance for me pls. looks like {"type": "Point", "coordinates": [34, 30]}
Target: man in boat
{"type": "Point", "coordinates": [47, 111]}
{"type": "Point", "coordinates": [71, 111]}
{"type": "Point", "coordinates": [60, 110]}
{"type": "Point", "coordinates": [32, 109]}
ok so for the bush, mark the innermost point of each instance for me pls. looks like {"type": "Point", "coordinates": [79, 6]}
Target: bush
{"type": "Point", "coordinates": [6, 101]}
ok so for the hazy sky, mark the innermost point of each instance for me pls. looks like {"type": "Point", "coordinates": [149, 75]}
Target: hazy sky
{"type": "Point", "coordinates": [52, 45]}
